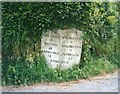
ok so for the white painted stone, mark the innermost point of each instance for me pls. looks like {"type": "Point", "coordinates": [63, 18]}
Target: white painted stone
{"type": "Point", "coordinates": [62, 48]}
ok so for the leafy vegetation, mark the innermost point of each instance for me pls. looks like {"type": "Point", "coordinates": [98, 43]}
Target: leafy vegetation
{"type": "Point", "coordinates": [22, 27]}
{"type": "Point", "coordinates": [24, 72]}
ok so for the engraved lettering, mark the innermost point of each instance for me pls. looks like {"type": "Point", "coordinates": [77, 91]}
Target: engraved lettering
{"type": "Point", "coordinates": [62, 48]}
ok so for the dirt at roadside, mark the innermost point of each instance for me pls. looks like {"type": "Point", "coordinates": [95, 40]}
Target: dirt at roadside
{"type": "Point", "coordinates": [103, 78]}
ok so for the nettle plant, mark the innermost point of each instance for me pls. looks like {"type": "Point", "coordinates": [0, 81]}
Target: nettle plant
{"type": "Point", "coordinates": [23, 24]}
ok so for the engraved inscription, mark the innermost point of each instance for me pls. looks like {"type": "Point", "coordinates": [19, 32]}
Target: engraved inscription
{"type": "Point", "coordinates": [62, 48]}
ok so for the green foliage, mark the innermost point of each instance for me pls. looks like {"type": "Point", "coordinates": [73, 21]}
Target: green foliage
{"type": "Point", "coordinates": [24, 72]}
{"type": "Point", "coordinates": [22, 27]}
{"type": "Point", "coordinates": [23, 23]}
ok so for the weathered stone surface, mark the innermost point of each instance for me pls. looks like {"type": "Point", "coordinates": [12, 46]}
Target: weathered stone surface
{"type": "Point", "coordinates": [62, 48]}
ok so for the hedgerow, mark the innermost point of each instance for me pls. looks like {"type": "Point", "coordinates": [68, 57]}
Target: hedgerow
{"type": "Point", "coordinates": [23, 24]}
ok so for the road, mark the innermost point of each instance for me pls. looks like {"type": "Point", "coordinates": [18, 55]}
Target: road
{"type": "Point", "coordinates": [102, 83]}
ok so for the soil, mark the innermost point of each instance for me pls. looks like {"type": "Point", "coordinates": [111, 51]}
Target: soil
{"type": "Point", "coordinates": [100, 83]}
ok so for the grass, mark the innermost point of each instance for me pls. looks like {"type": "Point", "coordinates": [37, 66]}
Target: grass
{"type": "Point", "coordinates": [0, 73]}
{"type": "Point", "coordinates": [23, 72]}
